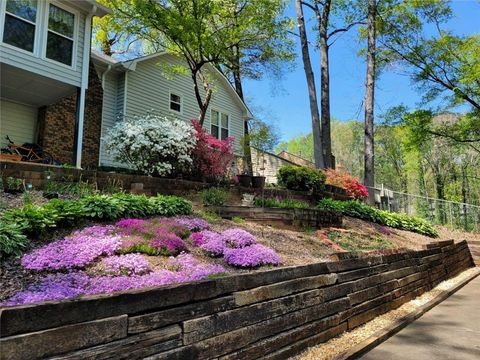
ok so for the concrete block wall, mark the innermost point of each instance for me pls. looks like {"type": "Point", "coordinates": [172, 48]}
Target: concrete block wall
{"type": "Point", "coordinates": [269, 314]}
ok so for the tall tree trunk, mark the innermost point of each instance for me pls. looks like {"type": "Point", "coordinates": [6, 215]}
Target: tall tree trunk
{"type": "Point", "coordinates": [312, 94]}
{"type": "Point", "coordinates": [323, 20]}
{"type": "Point", "coordinates": [202, 103]}
{"type": "Point", "coordinates": [369, 180]}
{"type": "Point", "coordinates": [237, 78]}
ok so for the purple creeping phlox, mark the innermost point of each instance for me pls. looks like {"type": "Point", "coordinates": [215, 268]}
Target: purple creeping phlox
{"type": "Point", "coordinates": [131, 226]}
{"type": "Point", "coordinates": [70, 285]}
{"type": "Point", "coordinates": [167, 241]}
{"type": "Point", "coordinates": [193, 224]}
{"type": "Point", "coordinates": [238, 238]}
{"type": "Point", "coordinates": [251, 256]}
{"type": "Point", "coordinates": [213, 243]}
{"type": "Point", "coordinates": [76, 251]}
{"type": "Point", "coordinates": [128, 264]}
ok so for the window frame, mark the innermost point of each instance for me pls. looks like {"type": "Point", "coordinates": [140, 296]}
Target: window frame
{"type": "Point", "coordinates": [41, 32]}
{"type": "Point", "coordinates": [170, 93]}
{"type": "Point", "coordinates": [36, 24]}
{"type": "Point", "coordinates": [46, 15]}
{"type": "Point", "coordinates": [220, 127]}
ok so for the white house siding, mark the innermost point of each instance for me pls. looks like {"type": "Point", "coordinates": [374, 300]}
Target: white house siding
{"type": "Point", "coordinates": [149, 89]}
{"type": "Point", "coordinates": [21, 124]}
{"type": "Point", "coordinates": [49, 68]}
{"type": "Point", "coordinates": [266, 164]}
{"type": "Point", "coordinates": [110, 112]}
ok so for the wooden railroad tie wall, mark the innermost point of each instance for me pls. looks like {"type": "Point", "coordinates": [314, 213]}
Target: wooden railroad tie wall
{"type": "Point", "coordinates": [271, 314]}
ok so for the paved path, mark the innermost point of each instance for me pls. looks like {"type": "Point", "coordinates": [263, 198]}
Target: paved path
{"type": "Point", "coordinates": [451, 330]}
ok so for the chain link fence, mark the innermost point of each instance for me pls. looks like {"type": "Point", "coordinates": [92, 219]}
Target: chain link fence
{"type": "Point", "coordinates": [452, 214]}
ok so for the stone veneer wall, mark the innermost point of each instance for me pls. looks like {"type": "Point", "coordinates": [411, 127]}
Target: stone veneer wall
{"type": "Point", "coordinates": [269, 314]}
{"type": "Point", "coordinates": [56, 122]}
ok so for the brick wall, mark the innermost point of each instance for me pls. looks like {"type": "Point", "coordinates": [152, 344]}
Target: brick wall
{"type": "Point", "coordinates": [271, 314]}
{"type": "Point", "coordinates": [57, 125]}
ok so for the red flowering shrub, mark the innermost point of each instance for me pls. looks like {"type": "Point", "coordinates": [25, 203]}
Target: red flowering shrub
{"type": "Point", "coordinates": [343, 179]}
{"type": "Point", "coordinates": [211, 156]}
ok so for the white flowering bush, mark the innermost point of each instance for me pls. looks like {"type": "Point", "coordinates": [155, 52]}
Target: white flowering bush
{"type": "Point", "coordinates": [152, 144]}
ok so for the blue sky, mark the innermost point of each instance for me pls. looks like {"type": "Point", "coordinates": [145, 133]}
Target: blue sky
{"type": "Point", "coordinates": [286, 103]}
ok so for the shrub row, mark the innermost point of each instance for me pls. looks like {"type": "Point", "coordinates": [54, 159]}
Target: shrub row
{"type": "Point", "coordinates": [34, 220]}
{"type": "Point", "coordinates": [284, 203]}
{"type": "Point", "coordinates": [301, 178]}
{"type": "Point", "coordinates": [395, 220]}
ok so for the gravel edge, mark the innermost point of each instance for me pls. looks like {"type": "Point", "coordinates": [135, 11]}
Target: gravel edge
{"type": "Point", "coordinates": [385, 333]}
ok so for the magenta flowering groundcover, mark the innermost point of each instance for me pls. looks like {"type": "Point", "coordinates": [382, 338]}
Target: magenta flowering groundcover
{"type": "Point", "coordinates": [97, 259]}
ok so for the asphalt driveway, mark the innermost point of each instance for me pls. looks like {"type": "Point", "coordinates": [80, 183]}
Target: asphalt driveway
{"type": "Point", "coordinates": [451, 330]}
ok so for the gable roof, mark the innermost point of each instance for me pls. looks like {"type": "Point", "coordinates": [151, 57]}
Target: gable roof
{"type": "Point", "coordinates": [131, 65]}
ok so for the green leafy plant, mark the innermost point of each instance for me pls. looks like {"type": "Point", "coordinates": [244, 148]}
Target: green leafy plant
{"type": "Point", "coordinates": [32, 219]}
{"type": "Point", "coordinates": [12, 240]}
{"type": "Point", "coordinates": [362, 211]}
{"type": "Point", "coordinates": [113, 186]}
{"type": "Point", "coordinates": [282, 203]}
{"type": "Point", "coordinates": [27, 198]}
{"type": "Point", "coordinates": [210, 216]}
{"type": "Point", "coordinates": [12, 183]}
{"type": "Point", "coordinates": [102, 207]}
{"type": "Point", "coordinates": [301, 178]}
{"type": "Point", "coordinates": [171, 205]}
{"type": "Point", "coordinates": [69, 212]}
{"type": "Point", "coordinates": [214, 197]}
{"type": "Point", "coordinates": [238, 220]}
{"type": "Point", "coordinates": [136, 206]}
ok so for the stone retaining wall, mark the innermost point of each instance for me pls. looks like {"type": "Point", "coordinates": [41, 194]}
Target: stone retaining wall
{"type": "Point", "coordinates": [37, 175]}
{"type": "Point", "coordinates": [271, 314]}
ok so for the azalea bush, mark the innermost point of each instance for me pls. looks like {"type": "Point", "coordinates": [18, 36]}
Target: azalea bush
{"type": "Point", "coordinates": [362, 211]}
{"type": "Point", "coordinates": [211, 157]}
{"type": "Point", "coordinates": [152, 144]}
{"type": "Point", "coordinates": [301, 178]}
{"type": "Point", "coordinates": [343, 179]}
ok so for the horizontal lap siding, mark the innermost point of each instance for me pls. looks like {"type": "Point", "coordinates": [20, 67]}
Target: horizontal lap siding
{"type": "Point", "coordinates": [112, 108]}
{"type": "Point", "coordinates": [148, 89]}
{"type": "Point", "coordinates": [50, 69]}
{"type": "Point", "coordinates": [17, 121]}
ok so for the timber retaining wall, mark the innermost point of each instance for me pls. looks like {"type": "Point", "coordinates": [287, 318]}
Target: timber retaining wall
{"type": "Point", "coordinates": [270, 314]}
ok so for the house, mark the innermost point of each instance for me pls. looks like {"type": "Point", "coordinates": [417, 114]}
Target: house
{"type": "Point", "coordinates": [44, 60]}
{"type": "Point", "coordinates": [147, 84]}
{"type": "Point", "coordinates": [267, 164]}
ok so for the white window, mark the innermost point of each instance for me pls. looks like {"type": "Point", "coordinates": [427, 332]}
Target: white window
{"type": "Point", "coordinates": [219, 125]}
{"type": "Point", "coordinates": [20, 23]}
{"type": "Point", "coordinates": [175, 102]}
{"type": "Point", "coordinates": [60, 35]}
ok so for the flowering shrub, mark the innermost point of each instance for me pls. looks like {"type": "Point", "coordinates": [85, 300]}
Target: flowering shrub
{"type": "Point", "coordinates": [238, 238]}
{"type": "Point", "coordinates": [343, 179]}
{"type": "Point", "coordinates": [251, 256]}
{"type": "Point", "coordinates": [211, 156]}
{"type": "Point", "coordinates": [193, 224]}
{"type": "Point", "coordinates": [77, 251]}
{"type": "Point", "coordinates": [301, 178]}
{"type": "Point", "coordinates": [152, 144]}
{"type": "Point", "coordinates": [128, 264]}
{"type": "Point", "coordinates": [194, 269]}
